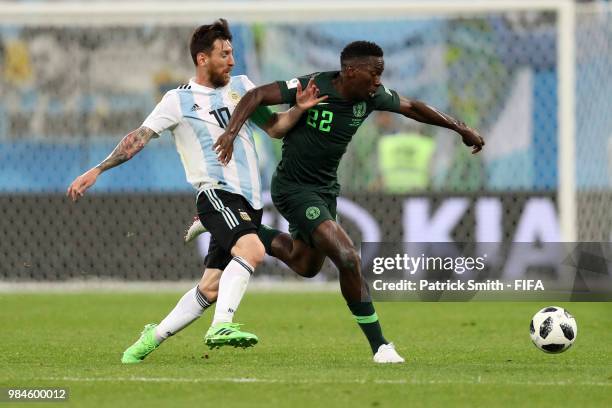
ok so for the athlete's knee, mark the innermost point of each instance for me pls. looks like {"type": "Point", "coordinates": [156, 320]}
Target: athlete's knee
{"type": "Point", "coordinates": [250, 248]}
{"type": "Point", "coordinates": [308, 270]}
{"type": "Point", "coordinates": [348, 259]}
{"type": "Point", "coordinates": [305, 260]}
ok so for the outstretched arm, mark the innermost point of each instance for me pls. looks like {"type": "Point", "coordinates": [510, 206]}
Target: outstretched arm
{"type": "Point", "coordinates": [269, 94]}
{"type": "Point", "coordinates": [131, 144]}
{"type": "Point", "coordinates": [422, 112]}
{"type": "Point", "coordinates": [280, 123]}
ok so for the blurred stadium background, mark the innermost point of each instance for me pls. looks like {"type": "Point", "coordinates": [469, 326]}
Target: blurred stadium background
{"type": "Point", "coordinates": [74, 79]}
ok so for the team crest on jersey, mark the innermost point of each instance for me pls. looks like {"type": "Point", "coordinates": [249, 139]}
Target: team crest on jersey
{"type": "Point", "coordinates": [359, 109]}
{"type": "Point", "coordinates": [234, 96]}
{"type": "Point", "coordinates": [244, 215]}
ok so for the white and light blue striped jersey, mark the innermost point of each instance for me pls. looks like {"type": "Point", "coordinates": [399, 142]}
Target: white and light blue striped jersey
{"type": "Point", "coordinates": [196, 116]}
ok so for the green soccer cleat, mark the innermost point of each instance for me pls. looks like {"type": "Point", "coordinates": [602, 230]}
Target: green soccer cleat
{"type": "Point", "coordinates": [229, 334]}
{"type": "Point", "coordinates": [142, 347]}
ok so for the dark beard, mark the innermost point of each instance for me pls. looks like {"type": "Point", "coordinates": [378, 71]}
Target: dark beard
{"type": "Point", "coordinates": [218, 81]}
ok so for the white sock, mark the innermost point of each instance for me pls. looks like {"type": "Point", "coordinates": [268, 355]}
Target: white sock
{"type": "Point", "coordinates": [188, 309]}
{"type": "Point", "coordinates": [233, 284]}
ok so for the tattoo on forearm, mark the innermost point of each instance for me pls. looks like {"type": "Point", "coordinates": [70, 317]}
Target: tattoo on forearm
{"type": "Point", "coordinates": [131, 144]}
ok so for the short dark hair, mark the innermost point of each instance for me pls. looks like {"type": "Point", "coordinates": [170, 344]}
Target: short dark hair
{"type": "Point", "coordinates": [359, 49]}
{"type": "Point", "coordinates": [204, 37]}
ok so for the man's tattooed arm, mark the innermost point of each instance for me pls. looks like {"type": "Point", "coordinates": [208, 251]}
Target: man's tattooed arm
{"type": "Point", "coordinates": [131, 144]}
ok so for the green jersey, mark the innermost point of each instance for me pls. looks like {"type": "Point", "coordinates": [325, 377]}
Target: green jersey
{"type": "Point", "coordinates": [313, 148]}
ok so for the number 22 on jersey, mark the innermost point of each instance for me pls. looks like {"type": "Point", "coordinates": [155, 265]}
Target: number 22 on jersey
{"type": "Point", "coordinates": [323, 123]}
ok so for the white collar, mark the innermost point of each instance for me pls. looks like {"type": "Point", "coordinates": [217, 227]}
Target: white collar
{"type": "Point", "coordinates": [203, 88]}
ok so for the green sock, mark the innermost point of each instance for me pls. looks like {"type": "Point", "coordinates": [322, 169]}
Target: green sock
{"type": "Point", "coordinates": [266, 235]}
{"type": "Point", "coordinates": [367, 319]}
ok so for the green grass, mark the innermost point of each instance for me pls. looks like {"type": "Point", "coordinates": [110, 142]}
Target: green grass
{"type": "Point", "coordinates": [311, 354]}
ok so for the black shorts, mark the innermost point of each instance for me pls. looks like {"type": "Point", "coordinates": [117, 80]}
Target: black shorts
{"type": "Point", "coordinates": [227, 217]}
{"type": "Point", "coordinates": [304, 209]}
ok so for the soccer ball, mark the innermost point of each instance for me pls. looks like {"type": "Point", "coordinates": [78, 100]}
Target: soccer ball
{"type": "Point", "coordinates": [553, 329]}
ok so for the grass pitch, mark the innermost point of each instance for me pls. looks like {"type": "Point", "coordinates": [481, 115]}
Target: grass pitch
{"type": "Point", "coordinates": [311, 354]}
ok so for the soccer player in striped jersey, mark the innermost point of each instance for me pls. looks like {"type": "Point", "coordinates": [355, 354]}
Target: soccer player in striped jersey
{"type": "Point", "coordinates": [305, 184]}
{"type": "Point", "coordinates": [228, 196]}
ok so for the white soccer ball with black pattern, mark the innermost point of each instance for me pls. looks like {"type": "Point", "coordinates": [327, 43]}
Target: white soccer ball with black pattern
{"type": "Point", "coordinates": [553, 329]}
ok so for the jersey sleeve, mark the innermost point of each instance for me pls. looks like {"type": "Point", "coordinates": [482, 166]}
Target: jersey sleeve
{"type": "Point", "coordinates": [261, 116]}
{"type": "Point", "coordinates": [166, 114]}
{"type": "Point", "coordinates": [386, 99]}
{"type": "Point", "coordinates": [248, 84]}
{"type": "Point", "coordinates": [289, 88]}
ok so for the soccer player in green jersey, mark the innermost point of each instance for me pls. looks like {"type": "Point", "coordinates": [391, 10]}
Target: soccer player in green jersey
{"type": "Point", "coordinates": [305, 186]}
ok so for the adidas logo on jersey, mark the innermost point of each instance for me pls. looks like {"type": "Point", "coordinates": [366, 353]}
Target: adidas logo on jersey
{"type": "Point", "coordinates": [195, 107]}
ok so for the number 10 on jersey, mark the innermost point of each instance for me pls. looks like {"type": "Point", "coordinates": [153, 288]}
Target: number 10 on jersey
{"type": "Point", "coordinates": [324, 122]}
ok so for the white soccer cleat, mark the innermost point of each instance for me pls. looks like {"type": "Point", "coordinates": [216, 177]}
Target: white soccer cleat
{"type": "Point", "coordinates": [196, 228]}
{"type": "Point", "coordinates": [387, 354]}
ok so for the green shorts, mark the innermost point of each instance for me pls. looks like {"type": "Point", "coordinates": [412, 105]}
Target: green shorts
{"type": "Point", "coordinates": [305, 210]}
